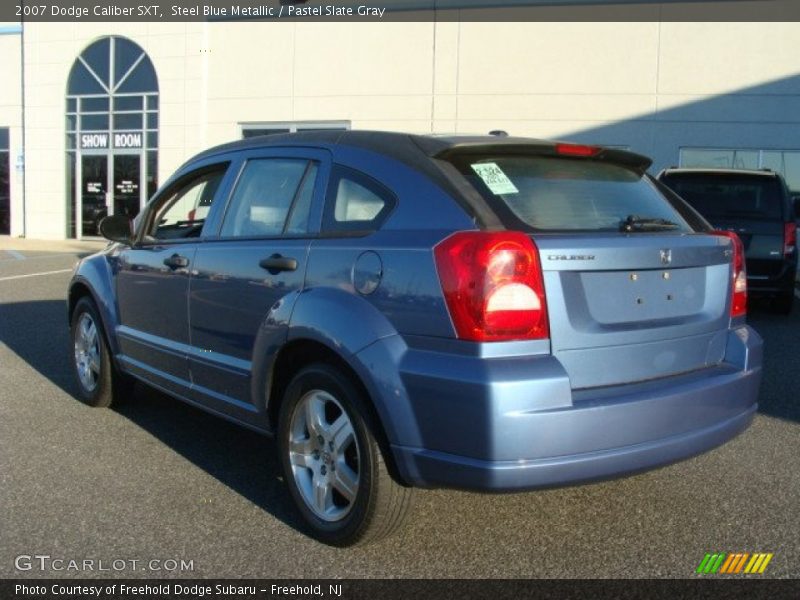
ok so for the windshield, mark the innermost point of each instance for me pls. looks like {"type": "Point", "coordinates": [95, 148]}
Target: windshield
{"type": "Point", "coordinates": [540, 193]}
{"type": "Point", "coordinates": [720, 196]}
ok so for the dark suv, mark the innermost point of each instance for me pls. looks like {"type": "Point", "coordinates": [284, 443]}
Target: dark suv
{"type": "Point", "coordinates": [757, 206]}
{"type": "Point", "coordinates": [475, 312]}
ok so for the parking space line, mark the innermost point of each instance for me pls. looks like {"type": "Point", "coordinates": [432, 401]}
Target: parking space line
{"type": "Point", "coordinates": [15, 254]}
{"type": "Point", "coordinates": [35, 274]}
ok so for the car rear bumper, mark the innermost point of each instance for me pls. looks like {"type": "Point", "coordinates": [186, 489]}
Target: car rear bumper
{"type": "Point", "coordinates": [439, 469]}
{"type": "Point", "coordinates": [519, 438]}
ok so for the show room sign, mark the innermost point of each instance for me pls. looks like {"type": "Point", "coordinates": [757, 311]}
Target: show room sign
{"type": "Point", "coordinates": [100, 141]}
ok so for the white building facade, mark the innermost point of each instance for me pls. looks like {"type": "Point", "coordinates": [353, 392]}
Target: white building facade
{"type": "Point", "coordinates": [94, 115]}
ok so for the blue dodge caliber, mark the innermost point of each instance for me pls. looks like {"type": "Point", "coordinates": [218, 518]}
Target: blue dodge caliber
{"type": "Point", "coordinates": [490, 313]}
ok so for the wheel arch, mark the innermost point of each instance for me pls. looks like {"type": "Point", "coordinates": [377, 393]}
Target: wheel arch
{"type": "Point", "coordinates": [303, 352]}
{"type": "Point", "coordinates": [94, 279]}
{"type": "Point", "coordinates": [335, 326]}
{"type": "Point", "coordinates": [77, 290]}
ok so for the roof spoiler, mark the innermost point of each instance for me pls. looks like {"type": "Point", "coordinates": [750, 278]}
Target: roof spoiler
{"type": "Point", "coordinates": [521, 146]}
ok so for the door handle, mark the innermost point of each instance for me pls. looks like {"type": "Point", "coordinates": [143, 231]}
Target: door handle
{"type": "Point", "coordinates": [176, 261]}
{"type": "Point", "coordinates": [277, 263]}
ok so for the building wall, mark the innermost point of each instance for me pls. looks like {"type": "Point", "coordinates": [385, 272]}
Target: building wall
{"type": "Point", "coordinates": [50, 50]}
{"type": "Point", "coordinates": [653, 87]}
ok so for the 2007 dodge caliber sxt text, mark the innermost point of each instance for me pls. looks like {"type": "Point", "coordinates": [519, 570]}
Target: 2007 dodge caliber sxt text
{"type": "Point", "coordinates": [490, 313]}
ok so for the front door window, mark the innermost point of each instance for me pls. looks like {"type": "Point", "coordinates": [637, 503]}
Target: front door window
{"type": "Point", "coordinates": [183, 214]}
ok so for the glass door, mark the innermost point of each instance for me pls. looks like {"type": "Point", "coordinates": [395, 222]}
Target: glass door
{"type": "Point", "coordinates": [110, 184]}
{"type": "Point", "coordinates": [127, 184]}
{"type": "Point", "coordinates": [5, 190]}
{"type": "Point", "coordinates": [93, 192]}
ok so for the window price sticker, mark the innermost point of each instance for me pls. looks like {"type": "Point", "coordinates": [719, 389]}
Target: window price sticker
{"type": "Point", "coordinates": [494, 178]}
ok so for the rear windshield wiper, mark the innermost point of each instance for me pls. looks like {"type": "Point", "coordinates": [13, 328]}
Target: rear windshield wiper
{"type": "Point", "coordinates": [637, 223]}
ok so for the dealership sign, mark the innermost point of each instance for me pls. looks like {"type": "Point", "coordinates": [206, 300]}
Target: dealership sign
{"type": "Point", "coordinates": [100, 141]}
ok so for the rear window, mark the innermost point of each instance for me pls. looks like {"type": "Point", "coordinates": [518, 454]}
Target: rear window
{"type": "Point", "coordinates": [539, 193]}
{"type": "Point", "coordinates": [729, 196]}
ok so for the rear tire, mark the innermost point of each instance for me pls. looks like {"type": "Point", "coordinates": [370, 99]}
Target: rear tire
{"type": "Point", "coordinates": [99, 384]}
{"type": "Point", "coordinates": [332, 461]}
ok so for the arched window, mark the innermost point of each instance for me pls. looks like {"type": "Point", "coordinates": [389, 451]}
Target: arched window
{"type": "Point", "coordinates": [112, 133]}
{"type": "Point", "coordinates": [112, 65]}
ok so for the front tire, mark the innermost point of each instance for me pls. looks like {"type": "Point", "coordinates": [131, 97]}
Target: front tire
{"type": "Point", "coordinates": [97, 381]}
{"type": "Point", "coordinates": [332, 461]}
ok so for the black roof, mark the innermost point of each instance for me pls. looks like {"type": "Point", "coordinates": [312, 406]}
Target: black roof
{"type": "Point", "coordinates": [417, 150]}
{"type": "Point", "coordinates": [378, 141]}
{"type": "Point", "coordinates": [384, 142]}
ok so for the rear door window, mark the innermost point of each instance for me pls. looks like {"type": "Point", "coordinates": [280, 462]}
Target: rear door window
{"type": "Point", "coordinates": [540, 193]}
{"type": "Point", "coordinates": [297, 223]}
{"type": "Point", "coordinates": [265, 195]}
{"type": "Point", "coordinates": [724, 197]}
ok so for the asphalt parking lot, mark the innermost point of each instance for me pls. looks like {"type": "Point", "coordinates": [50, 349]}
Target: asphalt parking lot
{"type": "Point", "coordinates": [158, 480]}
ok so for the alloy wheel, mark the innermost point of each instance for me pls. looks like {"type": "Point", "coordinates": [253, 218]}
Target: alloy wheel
{"type": "Point", "coordinates": [324, 455]}
{"type": "Point", "coordinates": [87, 352]}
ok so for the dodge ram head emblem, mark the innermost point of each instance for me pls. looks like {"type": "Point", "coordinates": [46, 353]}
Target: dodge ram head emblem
{"type": "Point", "coordinates": [666, 256]}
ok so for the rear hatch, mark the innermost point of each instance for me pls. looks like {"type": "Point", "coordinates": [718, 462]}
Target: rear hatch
{"type": "Point", "coordinates": [634, 290]}
{"type": "Point", "coordinates": [749, 204]}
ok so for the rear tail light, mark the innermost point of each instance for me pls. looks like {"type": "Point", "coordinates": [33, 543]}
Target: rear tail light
{"type": "Point", "coordinates": [739, 287]}
{"type": "Point", "coordinates": [789, 238]}
{"type": "Point", "coordinates": [577, 150]}
{"type": "Point", "coordinates": [493, 287]}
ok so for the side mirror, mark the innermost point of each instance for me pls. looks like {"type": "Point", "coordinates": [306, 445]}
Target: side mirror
{"type": "Point", "coordinates": [796, 203]}
{"type": "Point", "coordinates": [117, 228]}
